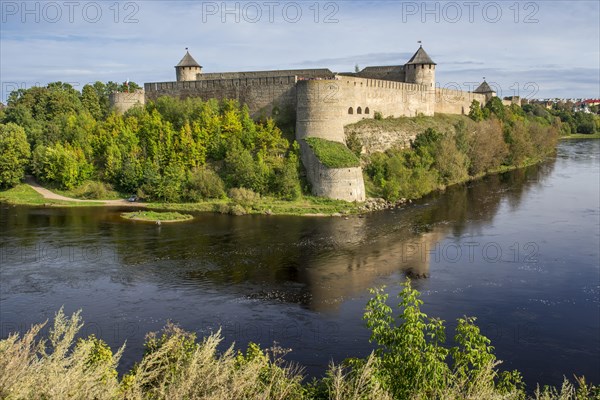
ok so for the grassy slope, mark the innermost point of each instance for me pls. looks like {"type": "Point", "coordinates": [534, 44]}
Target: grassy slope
{"type": "Point", "coordinates": [333, 154]}
{"type": "Point", "coordinates": [439, 122]}
{"type": "Point", "coordinates": [24, 195]}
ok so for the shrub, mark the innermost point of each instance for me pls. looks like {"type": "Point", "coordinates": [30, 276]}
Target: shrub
{"type": "Point", "coordinates": [95, 190]}
{"type": "Point", "coordinates": [332, 154]}
{"type": "Point", "coordinates": [378, 115]}
{"type": "Point", "coordinates": [243, 197]}
{"type": "Point", "coordinates": [204, 183]}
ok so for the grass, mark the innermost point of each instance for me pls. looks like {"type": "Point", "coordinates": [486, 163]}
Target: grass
{"type": "Point", "coordinates": [582, 136]}
{"type": "Point", "coordinates": [304, 206]}
{"type": "Point", "coordinates": [152, 216]}
{"type": "Point", "coordinates": [23, 194]}
{"type": "Point", "coordinates": [175, 365]}
{"type": "Point", "coordinates": [415, 125]}
{"type": "Point", "coordinates": [333, 154]}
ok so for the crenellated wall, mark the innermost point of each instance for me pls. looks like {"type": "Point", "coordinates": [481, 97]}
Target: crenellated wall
{"type": "Point", "coordinates": [261, 94]}
{"type": "Point", "coordinates": [325, 106]}
{"type": "Point", "coordinates": [449, 101]}
{"type": "Point", "coordinates": [323, 103]}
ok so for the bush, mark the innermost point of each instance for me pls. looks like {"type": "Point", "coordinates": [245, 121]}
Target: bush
{"type": "Point", "coordinates": [378, 115]}
{"type": "Point", "coordinates": [204, 183]}
{"type": "Point", "coordinates": [95, 190]}
{"type": "Point", "coordinates": [243, 197]}
{"type": "Point", "coordinates": [332, 154]}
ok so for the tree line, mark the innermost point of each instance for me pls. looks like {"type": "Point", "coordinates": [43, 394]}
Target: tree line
{"type": "Point", "coordinates": [168, 150]}
{"type": "Point", "coordinates": [493, 138]}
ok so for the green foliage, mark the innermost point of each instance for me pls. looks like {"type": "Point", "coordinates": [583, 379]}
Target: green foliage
{"type": "Point", "coordinates": [495, 107]}
{"type": "Point", "coordinates": [378, 115]}
{"type": "Point", "coordinates": [63, 166]}
{"type": "Point", "coordinates": [410, 361]}
{"type": "Point", "coordinates": [204, 183]}
{"type": "Point", "coordinates": [171, 150]}
{"type": "Point", "coordinates": [413, 361]}
{"type": "Point", "coordinates": [475, 112]}
{"type": "Point", "coordinates": [243, 197]}
{"type": "Point", "coordinates": [353, 143]}
{"type": "Point", "coordinates": [332, 154]}
{"type": "Point", "coordinates": [15, 154]}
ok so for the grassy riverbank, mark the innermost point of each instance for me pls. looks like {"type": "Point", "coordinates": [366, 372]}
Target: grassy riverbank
{"type": "Point", "coordinates": [581, 136]}
{"type": "Point", "coordinates": [411, 360]}
{"type": "Point", "coordinates": [23, 194]}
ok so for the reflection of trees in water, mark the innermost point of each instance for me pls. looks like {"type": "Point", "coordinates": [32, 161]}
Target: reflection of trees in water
{"type": "Point", "coordinates": [313, 261]}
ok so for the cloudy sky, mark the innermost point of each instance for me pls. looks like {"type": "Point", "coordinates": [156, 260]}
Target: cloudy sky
{"type": "Point", "coordinates": [535, 49]}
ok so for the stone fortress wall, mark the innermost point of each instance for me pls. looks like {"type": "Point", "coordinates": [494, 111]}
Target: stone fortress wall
{"type": "Point", "coordinates": [322, 103]}
{"type": "Point", "coordinates": [123, 101]}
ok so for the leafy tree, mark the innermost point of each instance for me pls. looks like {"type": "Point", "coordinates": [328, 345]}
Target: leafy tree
{"type": "Point", "coordinates": [15, 152]}
{"type": "Point", "coordinates": [91, 101]}
{"type": "Point", "coordinates": [475, 112]}
{"type": "Point", "coordinates": [495, 107]}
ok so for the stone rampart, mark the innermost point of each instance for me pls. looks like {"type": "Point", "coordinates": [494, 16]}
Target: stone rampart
{"type": "Point", "coordinates": [449, 101]}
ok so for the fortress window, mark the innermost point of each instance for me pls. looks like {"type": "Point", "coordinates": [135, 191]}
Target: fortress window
{"type": "Point", "coordinates": [350, 111]}
{"type": "Point", "coordinates": [359, 110]}
{"type": "Point", "coordinates": [367, 111]}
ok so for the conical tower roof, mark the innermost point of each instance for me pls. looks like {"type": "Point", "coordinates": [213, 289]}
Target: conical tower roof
{"type": "Point", "coordinates": [484, 88]}
{"type": "Point", "coordinates": [421, 57]}
{"type": "Point", "coordinates": [188, 61]}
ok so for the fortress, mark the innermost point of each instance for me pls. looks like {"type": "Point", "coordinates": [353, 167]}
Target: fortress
{"type": "Point", "coordinates": [321, 102]}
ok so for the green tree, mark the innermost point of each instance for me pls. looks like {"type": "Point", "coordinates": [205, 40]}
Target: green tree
{"type": "Point", "coordinates": [475, 112]}
{"type": "Point", "coordinates": [495, 106]}
{"type": "Point", "coordinates": [15, 152]}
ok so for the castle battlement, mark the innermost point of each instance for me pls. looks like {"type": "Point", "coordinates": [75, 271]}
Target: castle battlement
{"type": "Point", "coordinates": [323, 102]}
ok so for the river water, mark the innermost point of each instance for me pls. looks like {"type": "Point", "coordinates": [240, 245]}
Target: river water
{"type": "Point", "coordinates": [519, 251]}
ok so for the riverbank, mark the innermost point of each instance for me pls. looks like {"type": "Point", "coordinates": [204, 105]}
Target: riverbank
{"type": "Point", "coordinates": [581, 136]}
{"type": "Point", "coordinates": [33, 194]}
{"type": "Point", "coordinates": [176, 365]}
{"type": "Point", "coordinates": [29, 195]}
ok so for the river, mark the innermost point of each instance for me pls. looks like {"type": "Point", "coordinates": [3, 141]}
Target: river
{"type": "Point", "coordinates": [519, 251]}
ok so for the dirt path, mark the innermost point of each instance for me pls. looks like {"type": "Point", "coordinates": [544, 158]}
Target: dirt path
{"type": "Point", "coordinates": [47, 194]}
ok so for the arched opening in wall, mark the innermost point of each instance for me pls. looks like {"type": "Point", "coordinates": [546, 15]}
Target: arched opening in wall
{"type": "Point", "coordinates": [359, 110]}
{"type": "Point", "coordinates": [367, 111]}
{"type": "Point", "coordinates": [350, 111]}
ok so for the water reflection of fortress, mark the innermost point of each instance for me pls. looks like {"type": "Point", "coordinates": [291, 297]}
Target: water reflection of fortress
{"type": "Point", "coordinates": [320, 262]}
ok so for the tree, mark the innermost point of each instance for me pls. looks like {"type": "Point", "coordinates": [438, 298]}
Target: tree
{"type": "Point", "coordinates": [495, 106]}
{"type": "Point", "coordinates": [475, 112]}
{"type": "Point", "coordinates": [91, 101]}
{"type": "Point", "coordinates": [15, 152]}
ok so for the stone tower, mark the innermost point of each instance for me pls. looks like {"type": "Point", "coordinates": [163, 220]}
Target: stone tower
{"type": "Point", "coordinates": [187, 69]}
{"type": "Point", "coordinates": [421, 69]}
{"type": "Point", "coordinates": [486, 90]}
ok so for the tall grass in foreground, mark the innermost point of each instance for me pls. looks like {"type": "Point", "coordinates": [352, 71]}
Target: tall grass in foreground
{"type": "Point", "coordinates": [410, 361]}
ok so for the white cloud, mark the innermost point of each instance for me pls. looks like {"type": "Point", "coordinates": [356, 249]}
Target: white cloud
{"type": "Point", "coordinates": [562, 47]}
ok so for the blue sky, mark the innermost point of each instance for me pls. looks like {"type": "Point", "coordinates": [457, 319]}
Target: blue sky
{"type": "Point", "coordinates": [533, 48]}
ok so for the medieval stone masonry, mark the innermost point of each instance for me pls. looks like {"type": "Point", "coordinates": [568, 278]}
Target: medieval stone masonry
{"type": "Point", "coordinates": [321, 102]}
